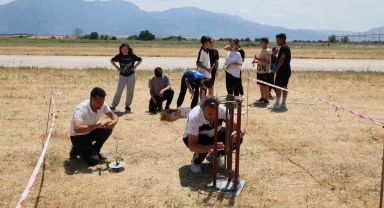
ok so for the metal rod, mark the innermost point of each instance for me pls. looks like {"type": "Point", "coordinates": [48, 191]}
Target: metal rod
{"type": "Point", "coordinates": [215, 138]}
{"type": "Point", "coordinates": [238, 132]}
{"type": "Point", "coordinates": [228, 143]}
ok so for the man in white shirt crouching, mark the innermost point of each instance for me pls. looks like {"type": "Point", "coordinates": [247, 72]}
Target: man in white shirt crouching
{"type": "Point", "coordinates": [199, 133]}
{"type": "Point", "coordinates": [85, 127]}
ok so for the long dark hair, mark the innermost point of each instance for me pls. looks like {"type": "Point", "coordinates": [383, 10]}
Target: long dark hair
{"type": "Point", "coordinates": [130, 50]}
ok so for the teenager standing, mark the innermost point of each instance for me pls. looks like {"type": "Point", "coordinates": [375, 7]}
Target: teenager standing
{"type": "Point", "coordinates": [232, 67]}
{"type": "Point", "coordinates": [283, 71]}
{"type": "Point", "coordinates": [128, 62]}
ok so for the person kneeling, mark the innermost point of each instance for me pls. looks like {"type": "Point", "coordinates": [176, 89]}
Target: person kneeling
{"type": "Point", "coordinates": [198, 135]}
{"type": "Point", "coordinates": [85, 128]}
{"type": "Point", "coordinates": [160, 90]}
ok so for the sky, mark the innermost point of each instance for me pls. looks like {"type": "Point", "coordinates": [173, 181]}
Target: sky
{"type": "Point", "coordinates": [346, 15]}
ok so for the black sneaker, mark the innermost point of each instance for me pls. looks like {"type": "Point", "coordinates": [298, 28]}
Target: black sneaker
{"type": "Point", "coordinates": [73, 153]}
{"type": "Point", "coordinates": [166, 107]}
{"type": "Point", "coordinates": [265, 101]}
{"type": "Point", "coordinates": [261, 100]}
{"type": "Point", "coordinates": [112, 108]}
{"type": "Point", "coordinates": [160, 108]}
{"type": "Point", "coordinates": [102, 157]}
{"type": "Point", "coordinates": [127, 109]}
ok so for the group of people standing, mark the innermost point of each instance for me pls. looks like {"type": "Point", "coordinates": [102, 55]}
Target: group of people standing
{"type": "Point", "coordinates": [273, 67]}
{"type": "Point", "coordinates": [88, 135]}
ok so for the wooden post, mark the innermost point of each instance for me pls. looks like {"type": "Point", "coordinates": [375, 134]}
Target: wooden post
{"type": "Point", "coordinates": [238, 133]}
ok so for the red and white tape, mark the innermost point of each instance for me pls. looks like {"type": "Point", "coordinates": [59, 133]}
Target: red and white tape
{"type": "Point", "coordinates": [338, 107]}
{"type": "Point", "coordinates": [41, 159]}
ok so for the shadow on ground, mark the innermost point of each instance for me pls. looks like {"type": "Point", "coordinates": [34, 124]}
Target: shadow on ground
{"type": "Point", "coordinates": [78, 166]}
{"type": "Point", "coordinates": [199, 182]}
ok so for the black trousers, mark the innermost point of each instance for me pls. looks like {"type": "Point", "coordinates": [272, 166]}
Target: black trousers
{"type": "Point", "coordinates": [206, 140]}
{"type": "Point", "coordinates": [233, 84]}
{"type": "Point", "coordinates": [241, 84]}
{"type": "Point", "coordinates": [85, 147]}
{"type": "Point", "coordinates": [168, 96]}
{"type": "Point", "coordinates": [183, 91]}
{"type": "Point", "coordinates": [213, 75]}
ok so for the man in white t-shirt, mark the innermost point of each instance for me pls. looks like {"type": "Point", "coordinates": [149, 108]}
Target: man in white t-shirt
{"type": "Point", "coordinates": [199, 132]}
{"type": "Point", "coordinates": [203, 63]}
{"type": "Point", "coordinates": [85, 127]}
{"type": "Point", "coordinates": [263, 60]}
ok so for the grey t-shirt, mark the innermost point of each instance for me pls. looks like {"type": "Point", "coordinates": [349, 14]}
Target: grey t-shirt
{"type": "Point", "coordinates": [157, 84]}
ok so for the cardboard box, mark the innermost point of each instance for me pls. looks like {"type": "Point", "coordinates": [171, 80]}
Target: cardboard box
{"type": "Point", "coordinates": [170, 115]}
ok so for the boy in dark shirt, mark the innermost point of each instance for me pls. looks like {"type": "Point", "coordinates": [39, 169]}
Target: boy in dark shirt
{"type": "Point", "coordinates": [282, 71]}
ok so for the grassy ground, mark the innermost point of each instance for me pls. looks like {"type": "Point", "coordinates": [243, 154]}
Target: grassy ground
{"type": "Point", "coordinates": [187, 48]}
{"type": "Point", "coordinates": [305, 157]}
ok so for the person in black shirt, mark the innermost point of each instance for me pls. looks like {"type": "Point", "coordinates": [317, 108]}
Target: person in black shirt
{"type": "Point", "coordinates": [127, 77]}
{"type": "Point", "coordinates": [283, 71]}
{"type": "Point", "coordinates": [214, 59]}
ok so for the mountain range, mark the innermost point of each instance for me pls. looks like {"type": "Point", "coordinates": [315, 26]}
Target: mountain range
{"type": "Point", "coordinates": [118, 17]}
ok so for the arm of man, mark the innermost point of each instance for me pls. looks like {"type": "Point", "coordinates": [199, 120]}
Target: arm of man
{"type": "Point", "coordinates": [190, 90]}
{"type": "Point", "coordinates": [152, 95]}
{"type": "Point", "coordinates": [80, 128]}
{"type": "Point", "coordinates": [198, 148]}
{"type": "Point", "coordinates": [203, 67]}
{"type": "Point", "coordinates": [281, 62]}
{"type": "Point", "coordinates": [161, 93]}
{"type": "Point", "coordinates": [112, 123]}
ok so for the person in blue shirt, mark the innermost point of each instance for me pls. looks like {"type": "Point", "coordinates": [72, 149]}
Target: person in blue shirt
{"type": "Point", "coordinates": [273, 67]}
{"type": "Point", "coordinates": [193, 81]}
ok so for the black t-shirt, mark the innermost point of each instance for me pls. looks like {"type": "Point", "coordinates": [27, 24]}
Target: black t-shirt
{"type": "Point", "coordinates": [213, 56]}
{"type": "Point", "coordinates": [287, 62]}
{"type": "Point", "coordinates": [127, 62]}
{"type": "Point", "coordinates": [242, 53]}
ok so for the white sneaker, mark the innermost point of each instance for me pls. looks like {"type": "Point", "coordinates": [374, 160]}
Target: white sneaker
{"type": "Point", "coordinates": [195, 168]}
{"type": "Point", "coordinates": [219, 163]}
{"type": "Point", "coordinates": [274, 107]}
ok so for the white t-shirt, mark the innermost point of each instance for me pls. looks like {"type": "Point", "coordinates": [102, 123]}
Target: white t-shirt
{"type": "Point", "coordinates": [264, 54]}
{"type": "Point", "coordinates": [203, 58]}
{"type": "Point", "coordinates": [234, 57]}
{"type": "Point", "coordinates": [84, 113]}
{"type": "Point", "coordinates": [197, 124]}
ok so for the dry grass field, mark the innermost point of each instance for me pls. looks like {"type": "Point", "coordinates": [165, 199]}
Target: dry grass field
{"type": "Point", "coordinates": [305, 157]}
{"type": "Point", "coordinates": [26, 46]}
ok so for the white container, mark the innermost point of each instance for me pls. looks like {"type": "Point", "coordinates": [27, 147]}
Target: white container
{"type": "Point", "coordinates": [184, 111]}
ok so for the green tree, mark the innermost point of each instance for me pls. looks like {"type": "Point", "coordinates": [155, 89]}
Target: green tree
{"type": "Point", "coordinates": [133, 37]}
{"type": "Point", "coordinates": [344, 39]}
{"type": "Point", "coordinates": [94, 36]}
{"type": "Point", "coordinates": [113, 38]}
{"type": "Point", "coordinates": [146, 35]}
{"type": "Point", "coordinates": [106, 37]}
{"type": "Point", "coordinates": [332, 39]}
{"type": "Point", "coordinates": [247, 40]}
{"type": "Point", "coordinates": [101, 37]}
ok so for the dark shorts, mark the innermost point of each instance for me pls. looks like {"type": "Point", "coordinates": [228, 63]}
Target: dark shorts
{"type": "Point", "coordinates": [264, 78]}
{"type": "Point", "coordinates": [282, 78]}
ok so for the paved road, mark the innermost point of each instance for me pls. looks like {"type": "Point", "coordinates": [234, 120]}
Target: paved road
{"type": "Point", "coordinates": [83, 62]}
